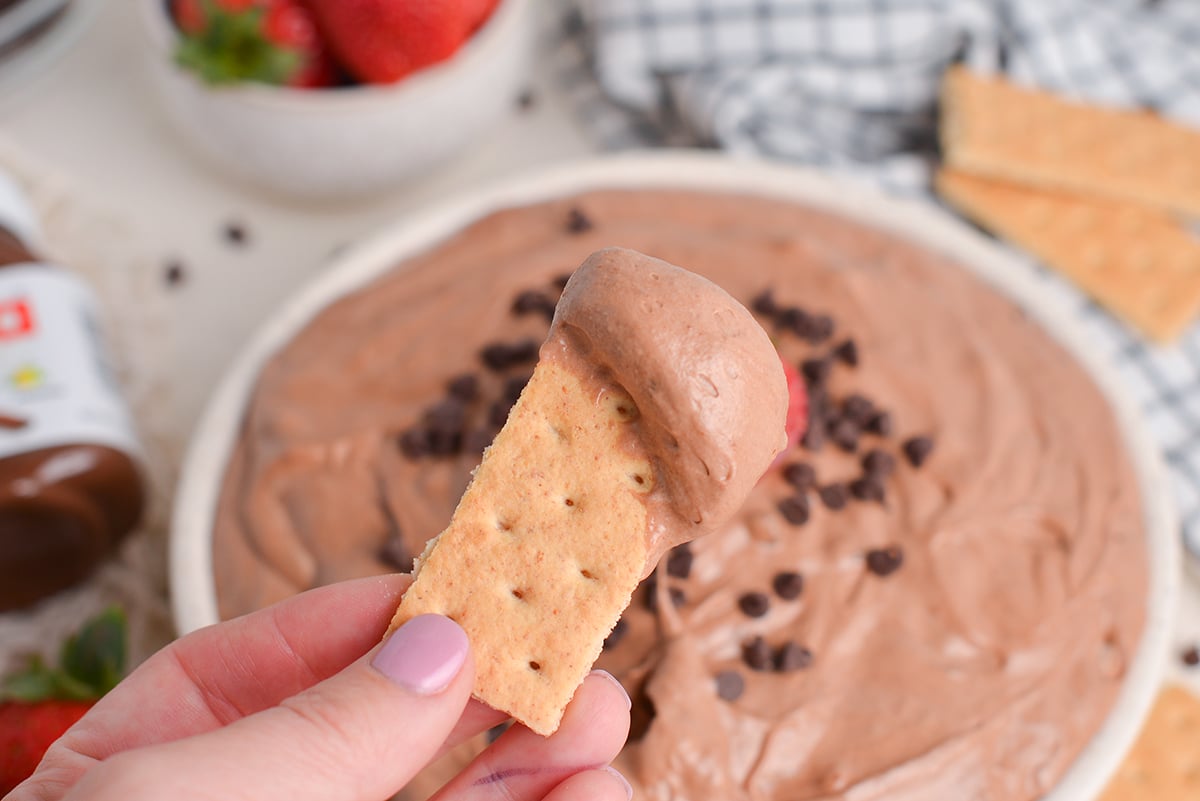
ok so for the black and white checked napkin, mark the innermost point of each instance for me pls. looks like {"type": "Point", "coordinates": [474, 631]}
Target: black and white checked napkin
{"type": "Point", "coordinates": [851, 86]}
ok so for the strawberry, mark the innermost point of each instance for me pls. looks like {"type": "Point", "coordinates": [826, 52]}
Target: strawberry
{"type": "Point", "coordinates": [270, 41]}
{"type": "Point", "coordinates": [39, 704]}
{"type": "Point", "coordinates": [797, 412]}
{"type": "Point", "coordinates": [382, 41]}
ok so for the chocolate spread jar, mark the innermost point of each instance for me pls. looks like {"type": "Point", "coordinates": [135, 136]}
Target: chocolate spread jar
{"type": "Point", "coordinates": [70, 483]}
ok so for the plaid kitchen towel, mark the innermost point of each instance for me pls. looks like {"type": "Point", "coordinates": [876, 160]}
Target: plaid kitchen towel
{"type": "Point", "coordinates": [851, 86]}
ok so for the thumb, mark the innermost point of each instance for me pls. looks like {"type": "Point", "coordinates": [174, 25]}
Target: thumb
{"type": "Point", "coordinates": [358, 736]}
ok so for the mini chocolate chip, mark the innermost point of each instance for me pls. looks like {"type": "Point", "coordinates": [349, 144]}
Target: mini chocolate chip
{"type": "Point", "coordinates": [844, 432]}
{"type": "Point", "coordinates": [764, 303]}
{"type": "Point", "coordinates": [414, 442]}
{"type": "Point", "coordinates": [814, 436]}
{"type": "Point", "coordinates": [880, 423]}
{"type": "Point", "coordinates": [514, 386]}
{"type": "Point", "coordinates": [495, 356]}
{"type": "Point", "coordinates": [679, 562]}
{"type": "Point", "coordinates": [526, 100]}
{"type": "Point", "coordinates": [678, 598]}
{"type": "Point", "coordinates": [757, 654]}
{"type": "Point", "coordinates": [792, 656]}
{"type": "Point", "coordinates": [560, 281]}
{"type": "Point", "coordinates": [578, 222]}
{"type": "Point", "coordinates": [847, 353]}
{"type": "Point", "coordinates": [730, 685]}
{"type": "Point", "coordinates": [616, 635]}
{"type": "Point", "coordinates": [885, 561]}
{"type": "Point", "coordinates": [533, 302]}
{"type": "Point", "coordinates": [868, 488]}
{"type": "Point", "coordinates": [501, 355]}
{"type": "Point", "coordinates": [794, 510]}
{"type": "Point", "coordinates": [477, 440]}
{"type": "Point", "coordinates": [834, 496]}
{"type": "Point", "coordinates": [800, 475]}
{"type": "Point", "coordinates": [788, 585]}
{"type": "Point", "coordinates": [917, 450]}
{"type": "Point", "coordinates": [858, 408]}
{"type": "Point", "coordinates": [754, 604]}
{"type": "Point", "coordinates": [1191, 656]}
{"type": "Point", "coordinates": [651, 600]}
{"type": "Point", "coordinates": [174, 273]}
{"type": "Point", "coordinates": [820, 328]}
{"type": "Point", "coordinates": [796, 320]}
{"type": "Point", "coordinates": [444, 442]}
{"type": "Point", "coordinates": [815, 370]}
{"type": "Point", "coordinates": [395, 553]}
{"type": "Point", "coordinates": [446, 415]}
{"type": "Point", "coordinates": [235, 233]}
{"type": "Point", "coordinates": [498, 413]}
{"type": "Point", "coordinates": [879, 463]}
{"type": "Point", "coordinates": [464, 387]}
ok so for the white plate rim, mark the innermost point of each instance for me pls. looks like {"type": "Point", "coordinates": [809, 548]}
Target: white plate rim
{"type": "Point", "coordinates": [190, 560]}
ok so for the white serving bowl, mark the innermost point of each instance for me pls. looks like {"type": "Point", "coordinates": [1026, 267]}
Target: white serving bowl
{"type": "Point", "coordinates": [193, 592]}
{"type": "Point", "coordinates": [336, 143]}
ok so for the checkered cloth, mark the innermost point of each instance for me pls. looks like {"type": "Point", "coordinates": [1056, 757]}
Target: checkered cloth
{"type": "Point", "coordinates": [851, 86]}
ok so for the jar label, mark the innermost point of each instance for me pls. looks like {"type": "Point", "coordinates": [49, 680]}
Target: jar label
{"type": "Point", "coordinates": [56, 381]}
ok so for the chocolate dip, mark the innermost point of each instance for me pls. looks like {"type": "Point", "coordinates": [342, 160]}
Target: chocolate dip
{"type": "Point", "coordinates": [955, 630]}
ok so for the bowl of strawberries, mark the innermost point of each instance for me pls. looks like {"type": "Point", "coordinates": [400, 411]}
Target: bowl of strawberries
{"type": "Point", "coordinates": [335, 98]}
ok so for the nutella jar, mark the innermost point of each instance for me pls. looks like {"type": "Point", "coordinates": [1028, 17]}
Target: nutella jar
{"type": "Point", "coordinates": [70, 483]}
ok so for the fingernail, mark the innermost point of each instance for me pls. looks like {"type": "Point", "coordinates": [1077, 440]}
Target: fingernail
{"type": "Point", "coordinates": [605, 674]}
{"type": "Point", "coordinates": [616, 774]}
{"type": "Point", "coordinates": [424, 655]}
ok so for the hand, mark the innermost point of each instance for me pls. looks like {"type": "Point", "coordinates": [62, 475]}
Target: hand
{"type": "Point", "coordinates": [283, 704]}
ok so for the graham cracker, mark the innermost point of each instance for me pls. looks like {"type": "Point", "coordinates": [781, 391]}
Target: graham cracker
{"type": "Point", "coordinates": [993, 127]}
{"type": "Point", "coordinates": [546, 545]}
{"type": "Point", "coordinates": [1136, 261]}
{"type": "Point", "coordinates": [1164, 764]}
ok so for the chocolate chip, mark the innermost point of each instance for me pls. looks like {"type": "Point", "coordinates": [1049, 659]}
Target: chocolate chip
{"type": "Point", "coordinates": [446, 415]}
{"type": "Point", "coordinates": [796, 320]}
{"type": "Point", "coordinates": [414, 443]}
{"type": "Point", "coordinates": [879, 463]}
{"type": "Point", "coordinates": [730, 685]}
{"type": "Point", "coordinates": [174, 273]}
{"type": "Point", "coordinates": [533, 302]}
{"type": "Point", "coordinates": [678, 598]}
{"type": "Point", "coordinates": [800, 475]}
{"type": "Point", "coordinates": [844, 433]}
{"type": "Point", "coordinates": [514, 386]}
{"type": "Point", "coordinates": [847, 353]}
{"type": "Point", "coordinates": [560, 281]}
{"type": "Point", "coordinates": [764, 303]}
{"type": "Point", "coordinates": [885, 561]}
{"type": "Point", "coordinates": [792, 656]}
{"type": "Point", "coordinates": [578, 222]}
{"type": "Point", "coordinates": [477, 440]}
{"type": "Point", "coordinates": [464, 387]}
{"type": "Point", "coordinates": [917, 450]}
{"type": "Point", "coordinates": [235, 233]}
{"type": "Point", "coordinates": [880, 423]}
{"type": "Point", "coordinates": [858, 409]}
{"type": "Point", "coordinates": [395, 553]}
{"type": "Point", "coordinates": [444, 442]}
{"type": "Point", "coordinates": [498, 413]}
{"type": "Point", "coordinates": [616, 635]}
{"type": "Point", "coordinates": [814, 436]}
{"type": "Point", "coordinates": [1191, 656]}
{"type": "Point", "coordinates": [820, 328]}
{"type": "Point", "coordinates": [679, 562]}
{"type": "Point", "coordinates": [868, 488]}
{"type": "Point", "coordinates": [788, 585]}
{"type": "Point", "coordinates": [757, 654]}
{"type": "Point", "coordinates": [834, 496]}
{"type": "Point", "coordinates": [816, 371]}
{"type": "Point", "coordinates": [754, 604]}
{"type": "Point", "coordinates": [674, 593]}
{"type": "Point", "coordinates": [794, 510]}
{"type": "Point", "coordinates": [502, 355]}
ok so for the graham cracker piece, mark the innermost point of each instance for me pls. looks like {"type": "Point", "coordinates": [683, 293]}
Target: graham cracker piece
{"type": "Point", "coordinates": [1136, 261]}
{"type": "Point", "coordinates": [993, 127]}
{"type": "Point", "coordinates": [546, 545]}
{"type": "Point", "coordinates": [1164, 764]}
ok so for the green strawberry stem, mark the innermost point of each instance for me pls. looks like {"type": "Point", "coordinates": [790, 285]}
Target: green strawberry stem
{"type": "Point", "coordinates": [233, 48]}
{"type": "Point", "coordinates": [91, 663]}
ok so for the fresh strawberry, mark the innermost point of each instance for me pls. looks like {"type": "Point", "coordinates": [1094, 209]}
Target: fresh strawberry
{"type": "Point", "coordinates": [797, 413]}
{"type": "Point", "coordinates": [40, 703]}
{"type": "Point", "coordinates": [270, 41]}
{"type": "Point", "coordinates": [382, 41]}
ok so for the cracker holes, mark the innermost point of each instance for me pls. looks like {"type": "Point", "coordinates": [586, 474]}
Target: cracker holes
{"type": "Point", "coordinates": [535, 666]}
{"type": "Point", "coordinates": [502, 524]}
{"type": "Point", "coordinates": [559, 433]}
{"type": "Point", "coordinates": [518, 593]}
{"type": "Point", "coordinates": [569, 502]}
{"type": "Point", "coordinates": [621, 406]}
{"type": "Point", "coordinates": [587, 574]}
{"type": "Point", "coordinates": [640, 480]}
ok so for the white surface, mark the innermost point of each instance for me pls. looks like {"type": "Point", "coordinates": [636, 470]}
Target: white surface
{"type": "Point", "coordinates": [193, 595]}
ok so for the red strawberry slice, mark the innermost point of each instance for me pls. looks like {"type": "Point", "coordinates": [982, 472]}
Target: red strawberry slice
{"type": "Point", "coordinates": [797, 413]}
{"type": "Point", "coordinates": [27, 730]}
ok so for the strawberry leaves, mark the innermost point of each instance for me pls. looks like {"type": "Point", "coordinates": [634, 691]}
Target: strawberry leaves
{"type": "Point", "coordinates": [91, 663]}
{"type": "Point", "coordinates": [232, 46]}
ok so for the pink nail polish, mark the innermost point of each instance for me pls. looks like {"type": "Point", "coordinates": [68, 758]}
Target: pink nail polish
{"type": "Point", "coordinates": [424, 655]}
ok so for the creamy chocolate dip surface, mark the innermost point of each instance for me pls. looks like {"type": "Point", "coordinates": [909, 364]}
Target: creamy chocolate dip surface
{"type": "Point", "coordinates": [866, 628]}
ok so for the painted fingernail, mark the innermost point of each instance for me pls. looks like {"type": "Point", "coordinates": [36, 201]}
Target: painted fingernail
{"type": "Point", "coordinates": [424, 655]}
{"type": "Point", "coordinates": [616, 774]}
{"type": "Point", "coordinates": [605, 674]}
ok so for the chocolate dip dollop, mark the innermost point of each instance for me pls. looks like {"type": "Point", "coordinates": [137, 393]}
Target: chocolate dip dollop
{"type": "Point", "coordinates": [712, 396]}
{"type": "Point", "coordinates": [957, 632]}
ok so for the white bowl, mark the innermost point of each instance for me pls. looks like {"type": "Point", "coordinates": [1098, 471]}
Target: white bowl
{"type": "Point", "coordinates": [346, 141]}
{"type": "Point", "coordinates": [193, 592]}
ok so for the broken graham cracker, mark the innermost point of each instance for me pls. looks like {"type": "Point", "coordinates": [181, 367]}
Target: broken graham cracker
{"type": "Point", "coordinates": [993, 127]}
{"type": "Point", "coordinates": [1136, 261]}
{"type": "Point", "coordinates": [1164, 764]}
{"type": "Point", "coordinates": [656, 404]}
